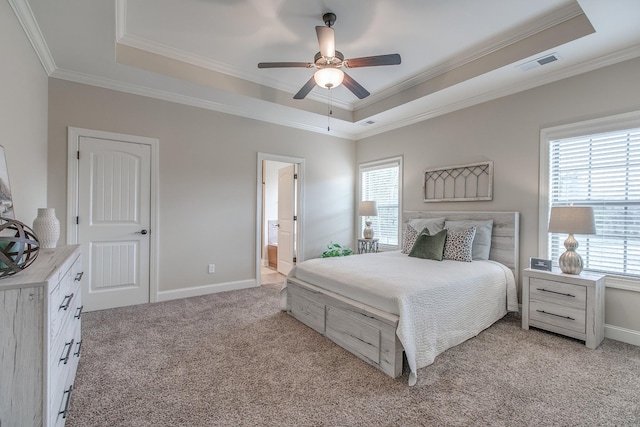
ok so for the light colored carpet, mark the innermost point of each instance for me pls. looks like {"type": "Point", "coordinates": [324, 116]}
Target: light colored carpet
{"type": "Point", "coordinates": [234, 359]}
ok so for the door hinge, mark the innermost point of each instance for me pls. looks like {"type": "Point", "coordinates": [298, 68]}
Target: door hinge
{"type": "Point", "coordinates": [77, 220]}
{"type": "Point", "coordinates": [295, 259]}
{"type": "Point", "coordinates": [295, 217]}
{"type": "Point", "coordinates": [78, 155]}
{"type": "Point", "coordinates": [295, 176]}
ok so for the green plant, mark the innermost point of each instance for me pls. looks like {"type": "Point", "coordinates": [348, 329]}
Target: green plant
{"type": "Point", "coordinates": [336, 249]}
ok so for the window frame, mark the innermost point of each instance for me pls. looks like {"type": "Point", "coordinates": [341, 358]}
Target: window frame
{"type": "Point", "coordinates": [395, 160]}
{"type": "Point", "coordinates": [590, 127]}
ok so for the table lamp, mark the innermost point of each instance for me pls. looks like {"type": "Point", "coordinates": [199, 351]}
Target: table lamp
{"type": "Point", "coordinates": [368, 208]}
{"type": "Point", "coordinates": [571, 220]}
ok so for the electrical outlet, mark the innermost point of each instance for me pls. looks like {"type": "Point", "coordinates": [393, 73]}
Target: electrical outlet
{"type": "Point", "coordinates": [212, 268]}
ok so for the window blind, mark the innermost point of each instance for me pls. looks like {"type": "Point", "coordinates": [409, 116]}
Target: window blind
{"type": "Point", "coordinates": [380, 182]}
{"type": "Point", "coordinates": [602, 171]}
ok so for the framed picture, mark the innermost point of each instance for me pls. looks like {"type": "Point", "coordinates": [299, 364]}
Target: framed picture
{"type": "Point", "coordinates": [6, 200]}
{"type": "Point", "coordinates": [540, 264]}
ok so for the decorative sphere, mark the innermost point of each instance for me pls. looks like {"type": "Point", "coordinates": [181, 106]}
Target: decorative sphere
{"type": "Point", "coordinates": [19, 247]}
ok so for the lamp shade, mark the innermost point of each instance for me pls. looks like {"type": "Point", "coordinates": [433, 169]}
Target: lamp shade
{"type": "Point", "coordinates": [329, 77]}
{"type": "Point", "coordinates": [572, 220]}
{"type": "Point", "coordinates": [368, 208]}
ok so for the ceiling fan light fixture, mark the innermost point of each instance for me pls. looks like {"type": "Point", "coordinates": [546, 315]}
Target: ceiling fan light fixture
{"type": "Point", "coordinates": [329, 77]}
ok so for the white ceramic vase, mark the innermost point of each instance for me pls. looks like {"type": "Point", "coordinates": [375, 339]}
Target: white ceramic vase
{"type": "Point", "coordinates": [47, 227]}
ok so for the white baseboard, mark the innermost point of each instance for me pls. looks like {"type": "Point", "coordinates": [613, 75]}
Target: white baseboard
{"type": "Point", "coordinates": [622, 334]}
{"type": "Point", "coordinates": [205, 290]}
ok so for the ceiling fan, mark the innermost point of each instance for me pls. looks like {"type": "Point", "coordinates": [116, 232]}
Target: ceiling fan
{"type": "Point", "coordinates": [329, 63]}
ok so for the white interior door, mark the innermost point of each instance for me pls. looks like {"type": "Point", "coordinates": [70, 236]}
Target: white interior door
{"type": "Point", "coordinates": [286, 223]}
{"type": "Point", "coordinates": [114, 212]}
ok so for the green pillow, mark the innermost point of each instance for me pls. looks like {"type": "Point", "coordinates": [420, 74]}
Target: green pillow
{"type": "Point", "coordinates": [429, 247]}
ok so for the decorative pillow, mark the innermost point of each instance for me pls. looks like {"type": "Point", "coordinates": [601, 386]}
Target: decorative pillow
{"type": "Point", "coordinates": [428, 246]}
{"type": "Point", "coordinates": [414, 227]}
{"type": "Point", "coordinates": [458, 246]}
{"type": "Point", "coordinates": [434, 225]}
{"type": "Point", "coordinates": [408, 238]}
{"type": "Point", "coordinates": [482, 240]}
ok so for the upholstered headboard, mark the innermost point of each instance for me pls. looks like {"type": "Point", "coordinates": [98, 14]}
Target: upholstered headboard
{"type": "Point", "coordinates": [504, 237]}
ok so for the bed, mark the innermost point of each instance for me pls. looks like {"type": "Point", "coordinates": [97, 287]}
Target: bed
{"type": "Point", "coordinates": [388, 307]}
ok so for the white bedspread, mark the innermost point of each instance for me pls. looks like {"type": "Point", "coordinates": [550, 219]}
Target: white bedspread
{"type": "Point", "coordinates": [440, 304]}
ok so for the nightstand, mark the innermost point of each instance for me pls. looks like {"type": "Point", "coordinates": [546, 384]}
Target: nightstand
{"type": "Point", "coordinates": [366, 246]}
{"type": "Point", "coordinates": [567, 304]}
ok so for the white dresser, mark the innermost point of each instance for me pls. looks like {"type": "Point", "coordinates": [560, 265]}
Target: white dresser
{"type": "Point", "coordinates": [40, 340]}
{"type": "Point", "coordinates": [567, 304]}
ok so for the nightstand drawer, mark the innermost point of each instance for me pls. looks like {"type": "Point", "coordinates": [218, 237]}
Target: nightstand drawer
{"type": "Point", "coordinates": [565, 294]}
{"type": "Point", "coordinates": [563, 316]}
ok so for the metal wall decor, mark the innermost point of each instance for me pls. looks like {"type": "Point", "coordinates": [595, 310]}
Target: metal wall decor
{"type": "Point", "coordinates": [462, 183]}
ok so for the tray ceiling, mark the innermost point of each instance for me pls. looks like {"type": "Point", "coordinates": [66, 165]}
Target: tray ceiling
{"type": "Point", "coordinates": [455, 53]}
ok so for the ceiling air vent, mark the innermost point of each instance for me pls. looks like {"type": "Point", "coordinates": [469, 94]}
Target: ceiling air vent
{"type": "Point", "coordinates": [539, 62]}
{"type": "Point", "coordinates": [368, 123]}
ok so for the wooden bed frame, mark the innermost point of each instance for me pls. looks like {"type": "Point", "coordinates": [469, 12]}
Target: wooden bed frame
{"type": "Point", "coordinates": [369, 333]}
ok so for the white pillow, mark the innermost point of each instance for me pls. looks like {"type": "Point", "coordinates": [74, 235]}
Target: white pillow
{"type": "Point", "coordinates": [482, 239]}
{"type": "Point", "coordinates": [434, 225]}
{"type": "Point", "coordinates": [414, 227]}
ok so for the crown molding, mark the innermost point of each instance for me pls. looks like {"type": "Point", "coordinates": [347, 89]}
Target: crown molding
{"type": "Point", "coordinates": [28, 22]}
{"type": "Point", "coordinates": [163, 95]}
{"type": "Point", "coordinates": [584, 67]}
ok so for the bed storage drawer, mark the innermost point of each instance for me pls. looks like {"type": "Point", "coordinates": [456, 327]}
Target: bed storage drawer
{"type": "Point", "coordinates": [366, 332]}
{"type": "Point", "coordinates": [350, 332]}
{"type": "Point", "coordinates": [308, 312]}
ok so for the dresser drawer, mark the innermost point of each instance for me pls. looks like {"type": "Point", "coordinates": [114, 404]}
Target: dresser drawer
{"type": "Point", "coordinates": [61, 396]}
{"type": "Point", "coordinates": [573, 319]}
{"type": "Point", "coordinates": [63, 300]}
{"type": "Point", "coordinates": [554, 292]}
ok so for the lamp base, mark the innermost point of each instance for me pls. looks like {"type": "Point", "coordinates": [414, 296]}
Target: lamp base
{"type": "Point", "coordinates": [570, 262]}
{"type": "Point", "coordinates": [367, 233]}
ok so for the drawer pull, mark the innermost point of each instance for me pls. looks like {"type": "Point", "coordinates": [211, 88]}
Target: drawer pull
{"type": "Point", "coordinates": [65, 302]}
{"type": "Point", "coordinates": [554, 292]}
{"type": "Point", "coordinates": [66, 403]}
{"type": "Point", "coordinates": [78, 312]}
{"type": "Point", "coordinates": [68, 346]}
{"type": "Point", "coordinates": [79, 344]}
{"type": "Point", "coordinates": [79, 276]}
{"type": "Point", "coordinates": [553, 314]}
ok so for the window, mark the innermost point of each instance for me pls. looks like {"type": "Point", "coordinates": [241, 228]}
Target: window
{"type": "Point", "coordinates": [598, 166]}
{"type": "Point", "coordinates": [380, 181]}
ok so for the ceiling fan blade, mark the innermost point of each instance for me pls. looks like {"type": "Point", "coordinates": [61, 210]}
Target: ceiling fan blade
{"type": "Point", "coordinates": [354, 87]}
{"type": "Point", "coordinates": [327, 41]}
{"type": "Point", "coordinates": [285, 65]}
{"type": "Point", "coordinates": [305, 89]}
{"type": "Point", "coordinates": [373, 61]}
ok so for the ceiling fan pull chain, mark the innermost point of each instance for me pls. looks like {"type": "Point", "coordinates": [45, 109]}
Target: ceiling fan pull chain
{"type": "Point", "coordinates": [329, 111]}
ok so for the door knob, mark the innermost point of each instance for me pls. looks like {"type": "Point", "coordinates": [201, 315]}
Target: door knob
{"type": "Point", "coordinates": [142, 232]}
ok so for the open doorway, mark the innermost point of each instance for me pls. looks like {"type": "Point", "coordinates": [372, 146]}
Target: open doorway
{"type": "Point", "coordinates": [279, 216]}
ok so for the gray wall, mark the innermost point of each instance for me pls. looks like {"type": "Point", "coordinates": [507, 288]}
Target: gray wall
{"type": "Point", "coordinates": [208, 167]}
{"type": "Point", "coordinates": [507, 131]}
{"type": "Point", "coordinates": [23, 117]}
{"type": "Point", "coordinates": [214, 156]}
